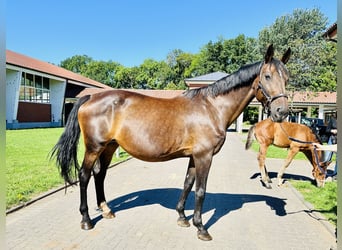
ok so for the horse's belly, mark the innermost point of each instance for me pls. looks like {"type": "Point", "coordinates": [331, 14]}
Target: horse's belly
{"type": "Point", "coordinates": [281, 141]}
{"type": "Point", "coordinates": [154, 148]}
{"type": "Point", "coordinates": [153, 153]}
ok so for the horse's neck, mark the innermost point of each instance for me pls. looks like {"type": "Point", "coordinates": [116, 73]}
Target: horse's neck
{"type": "Point", "coordinates": [232, 104]}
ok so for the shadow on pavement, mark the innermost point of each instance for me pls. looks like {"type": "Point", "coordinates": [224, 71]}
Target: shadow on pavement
{"type": "Point", "coordinates": [221, 203]}
{"type": "Point", "coordinates": [273, 175]}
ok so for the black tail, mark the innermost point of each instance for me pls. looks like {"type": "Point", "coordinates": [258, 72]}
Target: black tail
{"type": "Point", "coordinates": [250, 137]}
{"type": "Point", "coordinates": [65, 150]}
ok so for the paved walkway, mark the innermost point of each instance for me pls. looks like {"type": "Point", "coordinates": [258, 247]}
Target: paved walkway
{"type": "Point", "coordinates": [238, 211]}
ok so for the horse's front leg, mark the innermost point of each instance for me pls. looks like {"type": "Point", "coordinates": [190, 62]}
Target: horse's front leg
{"type": "Point", "coordinates": [188, 183]}
{"type": "Point", "coordinates": [202, 170]}
{"type": "Point", "coordinates": [290, 155]}
{"type": "Point", "coordinates": [261, 159]}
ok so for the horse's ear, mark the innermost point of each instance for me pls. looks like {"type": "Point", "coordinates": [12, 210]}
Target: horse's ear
{"type": "Point", "coordinates": [269, 54]}
{"type": "Point", "coordinates": [286, 56]}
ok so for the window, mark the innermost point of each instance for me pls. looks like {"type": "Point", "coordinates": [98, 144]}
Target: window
{"type": "Point", "coordinates": [34, 88]}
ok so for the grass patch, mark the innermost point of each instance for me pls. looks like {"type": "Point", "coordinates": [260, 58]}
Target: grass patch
{"type": "Point", "coordinates": [29, 172]}
{"type": "Point", "coordinates": [276, 152]}
{"type": "Point", "coordinates": [324, 199]}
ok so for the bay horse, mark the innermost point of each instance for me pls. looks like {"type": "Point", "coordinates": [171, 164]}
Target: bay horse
{"type": "Point", "coordinates": [191, 125]}
{"type": "Point", "coordinates": [293, 136]}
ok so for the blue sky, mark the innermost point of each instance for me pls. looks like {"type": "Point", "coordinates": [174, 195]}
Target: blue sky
{"type": "Point", "coordinates": [130, 31]}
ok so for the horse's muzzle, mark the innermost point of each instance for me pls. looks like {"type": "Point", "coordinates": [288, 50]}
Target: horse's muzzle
{"type": "Point", "coordinates": [279, 116]}
{"type": "Point", "coordinates": [279, 110]}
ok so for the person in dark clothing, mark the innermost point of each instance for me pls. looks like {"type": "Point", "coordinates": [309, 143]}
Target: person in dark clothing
{"type": "Point", "coordinates": [332, 130]}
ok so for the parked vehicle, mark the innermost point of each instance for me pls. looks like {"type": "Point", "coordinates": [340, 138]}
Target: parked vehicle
{"type": "Point", "coordinates": [316, 124]}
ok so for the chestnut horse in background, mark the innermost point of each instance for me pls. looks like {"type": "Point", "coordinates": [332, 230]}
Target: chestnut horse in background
{"type": "Point", "coordinates": [190, 125]}
{"type": "Point", "coordinates": [296, 137]}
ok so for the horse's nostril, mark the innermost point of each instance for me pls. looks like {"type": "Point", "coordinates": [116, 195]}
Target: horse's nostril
{"type": "Point", "coordinates": [281, 112]}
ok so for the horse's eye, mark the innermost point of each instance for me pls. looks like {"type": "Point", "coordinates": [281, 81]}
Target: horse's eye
{"type": "Point", "coordinates": [268, 77]}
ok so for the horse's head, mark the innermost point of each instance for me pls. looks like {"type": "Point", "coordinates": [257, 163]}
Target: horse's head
{"type": "Point", "coordinates": [320, 169]}
{"type": "Point", "coordinates": [319, 175]}
{"type": "Point", "coordinates": [270, 85]}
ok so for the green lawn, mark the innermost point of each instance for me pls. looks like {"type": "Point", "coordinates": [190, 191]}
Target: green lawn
{"type": "Point", "coordinates": [29, 171]}
{"type": "Point", "coordinates": [324, 199]}
{"type": "Point", "coordinates": [275, 152]}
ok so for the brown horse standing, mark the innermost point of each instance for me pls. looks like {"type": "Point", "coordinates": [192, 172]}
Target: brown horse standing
{"type": "Point", "coordinates": [152, 129]}
{"type": "Point", "coordinates": [296, 137]}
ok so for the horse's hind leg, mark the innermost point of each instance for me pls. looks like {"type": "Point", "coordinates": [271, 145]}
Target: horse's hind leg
{"type": "Point", "coordinates": [99, 176]}
{"type": "Point", "coordinates": [84, 176]}
{"type": "Point", "coordinates": [188, 183]}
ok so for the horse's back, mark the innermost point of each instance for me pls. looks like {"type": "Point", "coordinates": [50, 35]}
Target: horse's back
{"type": "Point", "coordinates": [280, 134]}
{"type": "Point", "coordinates": [298, 131]}
{"type": "Point", "coordinates": [112, 110]}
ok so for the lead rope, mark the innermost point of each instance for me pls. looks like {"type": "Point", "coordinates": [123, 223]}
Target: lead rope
{"type": "Point", "coordinates": [305, 142]}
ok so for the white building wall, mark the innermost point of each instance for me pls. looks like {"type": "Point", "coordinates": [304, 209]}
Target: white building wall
{"type": "Point", "coordinates": [321, 111]}
{"type": "Point", "coordinates": [57, 90]}
{"type": "Point", "coordinates": [13, 78]}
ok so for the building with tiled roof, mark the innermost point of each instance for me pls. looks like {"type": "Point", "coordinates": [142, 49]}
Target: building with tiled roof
{"type": "Point", "coordinates": [37, 91]}
{"type": "Point", "coordinates": [204, 80]}
{"type": "Point", "coordinates": [331, 33]}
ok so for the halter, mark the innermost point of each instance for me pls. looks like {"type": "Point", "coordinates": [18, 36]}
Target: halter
{"type": "Point", "coordinates": [269, 98]}
{"type": "Point", "coordinates": [306, 142]}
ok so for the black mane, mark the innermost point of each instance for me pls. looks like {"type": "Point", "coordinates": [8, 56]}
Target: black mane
{"type": "Point", "coordinates": [244, 76]}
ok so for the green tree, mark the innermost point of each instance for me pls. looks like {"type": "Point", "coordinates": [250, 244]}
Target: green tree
{"type": "Point", "coordinates": [151, 75]}
{"type": "Point", "coordinates": [178, 63]}
{"type": "Point", "coordinates": [76, 63]}
{"type": "Point", "coordinates": [313, 60]}
{"type": "Point", "coordinates": [126, 77]}
{"type": "Point", "coordinates": [238, 52]}
{"type": "Point", "coordinates": [101, 71]}
{"type": "Point", "coordinates": [208, 60]}
{"type": "Point", "coordinates": [224, 55]}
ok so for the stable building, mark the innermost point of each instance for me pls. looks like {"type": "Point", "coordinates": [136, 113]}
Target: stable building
{"type": "Point", "coordinates": [40, 94]}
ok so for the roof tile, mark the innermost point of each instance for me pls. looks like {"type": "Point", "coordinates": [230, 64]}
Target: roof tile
{"type": "Point", "coordinates": [23, 61]}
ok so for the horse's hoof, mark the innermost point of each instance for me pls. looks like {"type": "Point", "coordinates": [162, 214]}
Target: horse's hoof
{"type": "Point", "coordinates": [280, 182]}
{"type": "Point", "coordinates": [86, 225]}
{"type": "Point", "coordinates": [204, 236]}
{"type": "Point", "coordinates": [266, 184]}
{"type": "Point", "coordinates": [106, 212]}
{"type": "Point", "coordinates": [183, 223]}
{"type": "Point", "coordinates": [109, 215]}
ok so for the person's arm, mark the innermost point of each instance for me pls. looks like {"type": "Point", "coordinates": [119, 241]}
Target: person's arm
{"type": "Point", "coordinates": [332, 147]}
